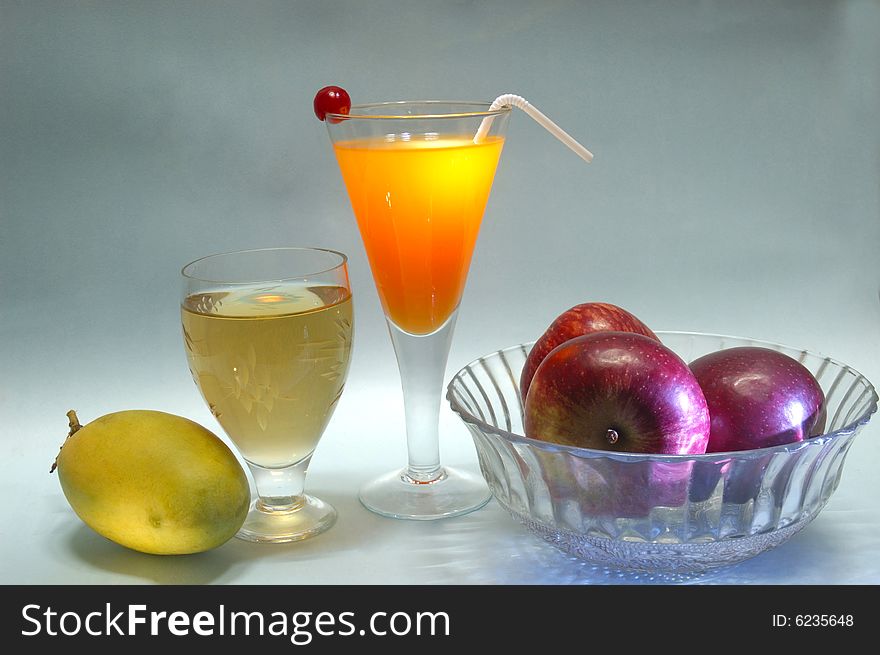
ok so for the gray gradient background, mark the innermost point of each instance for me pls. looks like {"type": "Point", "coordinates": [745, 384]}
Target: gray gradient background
{"type": "Point", "coordinates": [736, 189]}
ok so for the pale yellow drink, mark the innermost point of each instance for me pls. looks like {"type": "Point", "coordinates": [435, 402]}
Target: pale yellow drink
{"type": "Point", "coordinates": [271, 363]}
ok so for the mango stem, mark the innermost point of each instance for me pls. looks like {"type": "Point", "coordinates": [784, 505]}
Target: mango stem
{"type": "Point", "coordinates": [74, 425]}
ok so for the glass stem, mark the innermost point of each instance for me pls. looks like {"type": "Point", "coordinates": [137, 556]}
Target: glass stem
{"type": "Point", "coordinates": [280, 490]}
{"type": "Point", "coordinates": [421, 359]}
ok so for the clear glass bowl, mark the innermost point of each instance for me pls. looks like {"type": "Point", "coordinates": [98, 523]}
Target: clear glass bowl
{"type": "Point", "coordinates": [674, 513]}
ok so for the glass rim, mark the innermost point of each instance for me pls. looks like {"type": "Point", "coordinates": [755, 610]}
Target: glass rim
{"type": "Point", "coordinates": [481, 113]}
{"type": "Point", "coordinates": [343, 260]}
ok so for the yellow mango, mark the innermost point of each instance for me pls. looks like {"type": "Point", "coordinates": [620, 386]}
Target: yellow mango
{"type": "Point", "coordinates": [153, 482]}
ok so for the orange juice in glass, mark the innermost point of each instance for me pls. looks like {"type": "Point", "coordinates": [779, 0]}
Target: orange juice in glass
{"type": "Point", "coordinates": [419, 202]}
{"type": "Point", "coordinates": [418, 183]}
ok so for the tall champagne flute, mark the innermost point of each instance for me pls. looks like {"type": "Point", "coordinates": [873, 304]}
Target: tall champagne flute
{"type": "Point", "coordinates": [418, 183]}
{"type": "Point", "coordinates": [268, 337]}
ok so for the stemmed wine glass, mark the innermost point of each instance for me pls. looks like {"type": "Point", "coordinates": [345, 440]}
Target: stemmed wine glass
{"type": "Point", "coordinates": [268, 336]}
{"type": "Point", "coordinates": [418, 181]}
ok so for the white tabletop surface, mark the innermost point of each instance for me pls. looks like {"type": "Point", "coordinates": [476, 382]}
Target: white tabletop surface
{"type": "Point", "coordinates": [735, 190]}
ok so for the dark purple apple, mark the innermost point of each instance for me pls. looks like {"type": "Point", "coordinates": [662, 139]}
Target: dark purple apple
{"type": "Point", "coordinates": [705, 477]}
{"type": "Point", "coordinates": [617, 391]}
{"type": "Point", "coordinates": [582, 319]}
{"type": "Point", "coordinates": [758, 397]}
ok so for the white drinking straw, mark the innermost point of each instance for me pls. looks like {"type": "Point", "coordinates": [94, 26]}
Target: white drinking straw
{"type": "Point", "coordinates": [509, 99]}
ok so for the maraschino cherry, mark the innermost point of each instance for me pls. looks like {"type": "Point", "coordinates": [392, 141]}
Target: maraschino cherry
{"type": "Point", "coordinates": [331, 100]}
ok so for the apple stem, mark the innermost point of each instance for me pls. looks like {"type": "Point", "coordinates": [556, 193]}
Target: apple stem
{"type": "Point", "coordinates": [612, 436]}
{"type": "Point", "coordinates": [74, 425]}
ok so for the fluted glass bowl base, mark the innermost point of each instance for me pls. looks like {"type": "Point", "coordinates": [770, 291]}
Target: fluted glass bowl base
{"type": "Point", "coordinates": [397, 495]}
{"type": "Point", "coordinates": [281, 525]}
{"type": "Point", "coordinates": [657, 557]}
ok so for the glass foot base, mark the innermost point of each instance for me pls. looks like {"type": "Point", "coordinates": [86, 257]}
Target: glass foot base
{"type": "Point", "coordinates": [397, 495]}
{"type": "Point", "coordinates": [280, 524]}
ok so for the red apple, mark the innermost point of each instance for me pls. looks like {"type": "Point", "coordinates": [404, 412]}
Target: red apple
{"type": "Point", "coordinates": [610, 488]}
{"type": "Point", "coordinates": [576, 481]}
{"type": "Point", "coordinates": [639, 487]}
{"type": "Point", "coordinates": [582, 319]}
{"type": "Point", "coordinates": [758, 397]}
{"type": "Point", "coordinates": [617, 391]}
